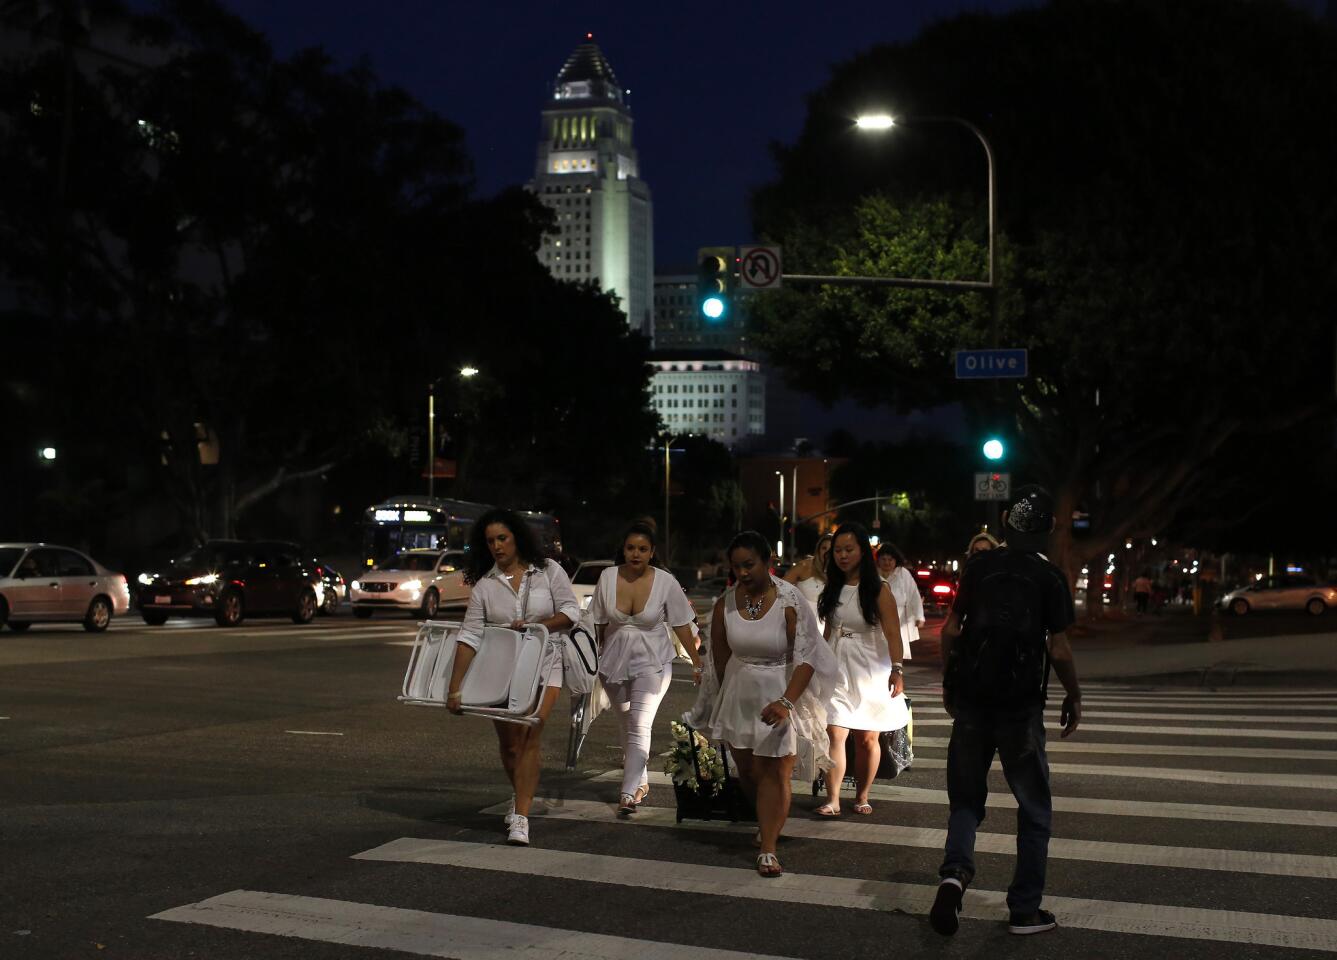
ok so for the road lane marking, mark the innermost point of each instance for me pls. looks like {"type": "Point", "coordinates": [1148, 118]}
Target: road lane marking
{"type": "Point", "coordinates": [1234, 733]}
{"type": "Point", "coordinates": [1089, 851]}
{"type": "Point", "coordinates": [1198, 717]}
{"type": "Point", "coordinates": [1228, 926]}
{"type": "Point", "coordinates": [315, 733]}
{"type": "Point", "coordinates": [1214, 705]}
{"type": "Point", "coordinates": [1161, 750]}
{"type": "Point", "coordinates": [419, 932]}
{"type": "Point", "coordinates": [1003, 800]}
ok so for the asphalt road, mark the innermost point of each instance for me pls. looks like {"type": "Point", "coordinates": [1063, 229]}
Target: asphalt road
{"type": "Point", "coordinates": [259, 793]}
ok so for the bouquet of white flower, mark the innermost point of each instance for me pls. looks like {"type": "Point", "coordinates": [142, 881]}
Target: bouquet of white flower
{"type": "Point", "coordinates": [693, 763]}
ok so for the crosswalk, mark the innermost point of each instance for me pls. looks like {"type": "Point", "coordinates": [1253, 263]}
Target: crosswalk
{"type": "Point", "coordinates": [1182, 818]}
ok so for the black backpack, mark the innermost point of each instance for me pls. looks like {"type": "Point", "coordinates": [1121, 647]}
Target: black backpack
{"type": "Point", "coordinates": [1002, 655]}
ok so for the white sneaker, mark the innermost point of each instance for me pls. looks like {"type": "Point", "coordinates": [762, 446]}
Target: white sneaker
{"type": "Point", "coordinates": [519, 835]}
{"type": "Point", "coordinates": [510, 813]}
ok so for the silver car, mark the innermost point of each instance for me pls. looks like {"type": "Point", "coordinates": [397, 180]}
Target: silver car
{"type": "Point", "coordinates": [1289, 591]}
{"type": "Point", "coordinates": [417, 581]}
{"type": "Point", "coordinates": [41, 582]}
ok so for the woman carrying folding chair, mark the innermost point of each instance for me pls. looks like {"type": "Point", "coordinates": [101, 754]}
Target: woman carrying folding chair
{"type": "Point", "coordinates": [513, 586]}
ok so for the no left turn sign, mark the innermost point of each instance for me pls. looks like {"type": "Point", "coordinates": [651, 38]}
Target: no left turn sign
{"type": "Point", "coordinates": [759, 267]}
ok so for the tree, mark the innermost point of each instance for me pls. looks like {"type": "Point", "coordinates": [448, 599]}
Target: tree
{"type": "Point", "coordinates": [1165, 239]}
{"type": "Point", "coordinates": [287, 253]}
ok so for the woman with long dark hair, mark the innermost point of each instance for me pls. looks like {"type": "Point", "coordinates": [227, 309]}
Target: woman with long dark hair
{"type": "Point", "coordinates": [635, 605]}
{"type": "Point", "coordinates": [775, 672]}
{"type": "Point", "coordinates": [514, 585]}
{"type": "Point", "coordinates": [863, 625]}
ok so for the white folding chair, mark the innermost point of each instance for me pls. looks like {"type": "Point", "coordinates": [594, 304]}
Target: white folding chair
{"type": "Point", "coordinates": [504, 680]}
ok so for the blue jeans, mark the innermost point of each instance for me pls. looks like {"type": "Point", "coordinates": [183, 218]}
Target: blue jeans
{"type": "Point", "coordinates": [1019, 740]}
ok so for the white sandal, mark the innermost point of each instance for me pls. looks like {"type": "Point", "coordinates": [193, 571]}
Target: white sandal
{"type": "Point", "coordinates": [768, 866]}
{"type": "Point", "coordinates": [626, 805]}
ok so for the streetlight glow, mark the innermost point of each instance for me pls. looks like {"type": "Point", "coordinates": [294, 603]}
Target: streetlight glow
{"type": "Point", "coordinates": [875, 121]}
{"type": "Point", "coordinates": [47, 453]}
{"type": "Point", "coordinates": [468, 372]}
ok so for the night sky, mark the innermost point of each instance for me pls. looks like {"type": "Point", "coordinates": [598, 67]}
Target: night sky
{"type": "Point", "coordinates": [712, 84]}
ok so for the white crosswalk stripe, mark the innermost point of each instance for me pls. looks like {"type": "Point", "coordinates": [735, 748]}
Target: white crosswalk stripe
{"type": "Point", "coordinates": [1111, 813]}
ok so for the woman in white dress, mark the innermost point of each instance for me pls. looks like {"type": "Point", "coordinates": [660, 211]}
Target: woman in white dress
{"type": "Point", "coordinates": [904, 590]}
{"type": "Point", "coordinates": [514, 585]}
{"type": "Point", "coordinates": [775, 668]}
{"type": "Point", "coordinates": [633, 604]}
{"type": "Point", "coordinates": [863, 625]}
{"type": "Point", "coordinates": [810, 574]}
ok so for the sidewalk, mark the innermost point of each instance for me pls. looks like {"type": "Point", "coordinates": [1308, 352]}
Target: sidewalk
{"type": "Point", "coordinates": [1300, 660]}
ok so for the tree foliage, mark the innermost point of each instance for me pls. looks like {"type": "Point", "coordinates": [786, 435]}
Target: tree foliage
{"type": "Point", "coordinates": [269, 260]}
{"type": "Point", "coordinates": [1165, 250]}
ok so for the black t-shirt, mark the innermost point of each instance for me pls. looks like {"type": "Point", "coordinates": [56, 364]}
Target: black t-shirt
{"type": "Point", "coordinates": [1042, 587]}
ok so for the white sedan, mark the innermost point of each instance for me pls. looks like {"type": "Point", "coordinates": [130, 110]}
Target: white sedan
{"type": "Point", "coordinates": [1291, 591]}
{"type": "Point", "coordinates": [417, 581]}
{"type": "Point", "coordinates": [41, 582]}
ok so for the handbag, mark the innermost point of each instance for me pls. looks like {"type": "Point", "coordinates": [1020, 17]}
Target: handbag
{"type": "Point", "coordinates": [580, 661]}
{"type": "Point", "coordinates": [896, 754]}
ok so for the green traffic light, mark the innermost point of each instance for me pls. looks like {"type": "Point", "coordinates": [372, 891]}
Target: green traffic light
{"type": "Point", "coordinates": [993, 449]}
{"type": "Point", "coordinates": [712, 307]}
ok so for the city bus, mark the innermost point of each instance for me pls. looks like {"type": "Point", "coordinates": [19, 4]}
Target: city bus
{"type": "Point", "coordinates": [411, 522]}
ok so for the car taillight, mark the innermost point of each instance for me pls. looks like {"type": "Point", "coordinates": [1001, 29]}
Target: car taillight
{"type": "Point", "coordinates": [926, 573]}
{"type": "Point", "coordinates": [941, 588]}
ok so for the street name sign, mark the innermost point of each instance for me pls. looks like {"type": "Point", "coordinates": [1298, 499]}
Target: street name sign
{"type": "Point", "coordinates": [759, 267]}
{"type": "Point", "coordinates": [993, 486]}
{"type": "Point", "coordinates": [990, 364]}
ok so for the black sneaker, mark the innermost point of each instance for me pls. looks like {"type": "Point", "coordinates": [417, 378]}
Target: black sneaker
{"type": "Point", "coordinates": [946, 905]}
{"type": "Point", "coordinates": [1041, 921]}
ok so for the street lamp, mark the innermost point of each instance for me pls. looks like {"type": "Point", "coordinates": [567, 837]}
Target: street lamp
{"type": "Point", "coordinates": [466, 373]}
{"type": "Point", "coordinates": [878, 122]}
{"type": "Point", "coordinates": [47, 453]}
{"type": "Point", "coordinates": [669, 441]}
{"type": "Point", "coordinates": [780, 544]}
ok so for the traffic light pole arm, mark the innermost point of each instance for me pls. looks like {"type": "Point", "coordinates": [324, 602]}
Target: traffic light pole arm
{"type": "Point", "coordinates": [957, 286]}
{"type": "Point", "coordinates": [839, 506]}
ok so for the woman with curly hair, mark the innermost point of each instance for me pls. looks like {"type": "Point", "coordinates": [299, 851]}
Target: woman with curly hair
{"type": "Point", "coordinates": [514, 585]}
{"type": "Point", "coordinates": [863, 625]}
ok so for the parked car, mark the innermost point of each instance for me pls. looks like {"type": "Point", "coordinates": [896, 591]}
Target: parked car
{"type": "Point", "coordinates": [938, 591]}
{"type": "Point", "coordinates": [1289, 591]}
{"type": "Point", "coordinates": [417, 581]}
{"type": "Point", "coordinates": [230, 580]}
{"type": "Point", "coordinates": [42, 582]}
{"type": "Point", "coordinates": [586, 578]}
{"type": "Point", "coordinates": [335, 586]}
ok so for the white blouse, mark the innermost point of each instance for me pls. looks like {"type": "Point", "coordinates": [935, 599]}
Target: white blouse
{"type": "Point", "coordinates": [909, 603]}
{"type": "Point", "coordinates": [639, 645]}
{"type": "Point", "coordinates": [544, 592]}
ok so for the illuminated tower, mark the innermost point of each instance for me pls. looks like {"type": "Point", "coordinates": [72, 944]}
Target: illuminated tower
{"type": "Point", "coordinates": [589, 175]}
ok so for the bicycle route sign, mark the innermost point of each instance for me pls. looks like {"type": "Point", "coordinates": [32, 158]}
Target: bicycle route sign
{"type": "Point", "coordinates": [993, 486]}
{"type": "Point", "coordinates": [759, 267]}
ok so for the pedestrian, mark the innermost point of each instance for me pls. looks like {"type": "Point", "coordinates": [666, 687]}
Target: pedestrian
{"type": "Point", "coordinates": [1007, 627]}
{"type": "Point", "coordinates": [776, 673]}
{"type": "Point", "coordinates": [984, 540]}
{"type": "Point", "coordinates": [863, 626]}
{"type": "Point", "coordinates": [635, 605]}
{"type": "Point", "coordinates": [514, 585]}
{"type": "Point", "coordinates": [809, 574]}
{"type": "Point", "coordinates": [904, 590]}
{"type": "Point", "coordinates": [1142, 587]}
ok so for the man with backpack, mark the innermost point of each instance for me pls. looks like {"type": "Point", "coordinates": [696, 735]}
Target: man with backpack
{"type": "Point", "coordinates": [1007, 627]}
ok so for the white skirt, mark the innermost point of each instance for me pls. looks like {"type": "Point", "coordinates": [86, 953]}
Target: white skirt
{"type": "Point", "coordinates": [862, 699]}
{"type": "Point", "coordinates": [736, 720]}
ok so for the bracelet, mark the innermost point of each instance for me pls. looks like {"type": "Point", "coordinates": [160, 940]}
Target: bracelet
{"type": "Point", "coordinates": [454, 694]}
{"type": "Point", "coordinates": [784, 702]}
{"type": "Point", "coordinates": [898, 668]}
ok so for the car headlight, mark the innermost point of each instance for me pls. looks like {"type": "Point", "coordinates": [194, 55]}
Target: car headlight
{"type": "Point", "coordinates": [355, 585]}
{"type": "Point", "coordinates": [585, 602]}
{"type": "Point", "coordinates": [145, 579]}
{"type": "Point", "coordinates": [412, 586]}
{"type": "Point", "coordinates": [203, 581]}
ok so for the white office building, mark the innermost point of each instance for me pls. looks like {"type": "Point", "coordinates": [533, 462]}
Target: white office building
{"type": "Point", "coordinates": [711, 392]}
{"type": "Point", "coordinates": [588, 173]}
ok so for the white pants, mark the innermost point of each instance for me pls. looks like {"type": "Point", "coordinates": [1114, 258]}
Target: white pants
{"type": "Point", "coordinates": [636, 702]}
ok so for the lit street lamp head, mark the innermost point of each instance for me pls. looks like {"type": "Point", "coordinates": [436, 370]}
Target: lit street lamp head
{"type": "Point", "coordinates": [47, 453]}
{"type": "Point", "coordinates": [468, 372]}
{"type": "Point", "coordinates": [875, 121]}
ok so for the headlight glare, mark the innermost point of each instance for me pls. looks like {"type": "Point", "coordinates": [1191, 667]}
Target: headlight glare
{"type": "Point", "coordinates": [203, 581]}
